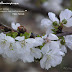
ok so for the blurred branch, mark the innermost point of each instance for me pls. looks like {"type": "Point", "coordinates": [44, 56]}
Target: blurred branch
{"type": "Point", "coordinates": [6, 28]}
{"type": "Point", "coordinates": [64, 34]}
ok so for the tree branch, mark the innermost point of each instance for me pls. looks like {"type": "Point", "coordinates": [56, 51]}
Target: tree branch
{"type": "Point", "coordinates": [64, 34]}
{"type": "Point", "coordinates": [6, 28]}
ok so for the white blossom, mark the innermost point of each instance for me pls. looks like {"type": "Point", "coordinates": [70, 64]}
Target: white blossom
{"type": "Point", "coordinates": [26, 48]}
{"type": "Point", "coordinates": [20, 38]}
{"type": "Point", "coordinates": [15, 26]}
{"type": "Point", "coordinates": [35, 52]}
{"type": "Point", "coordinates": [52, 54]}
{"type": "Point", "coordinates": [8, 47]}
{"type": "Point", "coordinates": [64, 15]}
{"type": "Point", "coordinates": [2, 42]}
{"type": "Point", "coordinates": [50, 37]}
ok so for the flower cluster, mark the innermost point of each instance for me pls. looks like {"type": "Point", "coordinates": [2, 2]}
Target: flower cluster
{"type": "Point", "coordinates": [20, 48]}
{"type": "Point", "coordinates": [48, 49]}
{"type": "Point", "coordinates": [53, 22]}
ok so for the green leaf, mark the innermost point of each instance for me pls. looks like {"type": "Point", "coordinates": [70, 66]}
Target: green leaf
{"type": "Point", "coordinates": [54, 31]}
{"type": "Point", "coordinates": [8, 34]}
{"type": "Point", "coordinates": [27, 35]}
{"type": "Point", "coordinates": [14, 34]}
{"type": "Point", "coordinates": [21, 34]}
{"type": "Point", "coordinates": [38, 36]}
{"type": "Point", "coordinates": [62, 42]}
{"type": "Point", "coordinates": [61, 37]}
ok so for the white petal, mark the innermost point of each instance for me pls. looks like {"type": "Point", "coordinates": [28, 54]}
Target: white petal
{"type": "Point", "coordinates": [17, 25]}
{"type": "Point", "coordinates": [48, 65]}
{"type": "Point", "coordinates": [53, 17]}
{"type": "Point", "coordinates": [66, 14]}
{"type": "Point", "coordinates": [69, 23]}
{"type": "Point", "coordinates": [61, 53]}
{"type": "Point", "coordinates": [54, 45]}
{"type": "Point", "coordinates": [39, 41]}
{"type": "Point", "coordinates": [63, 49]}
{"type": "Point", "coordinates": [49, 30]}
{"type": "Point", "coordinates": [68, 40]}
{"type": "Point", "coordinates": [45, 36]}
{"type": "Point", "coordinates": [42, 62]}
{"type": "Point", "coordinates": [13, 26]}
{"type": "Point", "coordinates": [20, 38]}
{"type": "Point", "coordinates": [45, 48]}
{"type": "Point", "coordinates": [46, 23]}
{"type": "Point", "coordinates": [2, 36]}
{"type": "Point", "coordinates": [69, 45]}
{"type": "Point", "coordinates": [30, 42]}
{"type": "Point", "coordinates": [36, 53]}
{"type": "Point", "coordinates": [52, 55]}
{"type": "Point", "coordinates": [52, 37]}
{"type": "Point", "coordinates": [9, 39]}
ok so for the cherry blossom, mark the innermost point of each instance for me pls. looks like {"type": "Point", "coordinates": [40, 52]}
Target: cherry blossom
{"type": "Point", "coordinates": [15, 26]}
{"type": "Point", "coordinates": [65, 19]}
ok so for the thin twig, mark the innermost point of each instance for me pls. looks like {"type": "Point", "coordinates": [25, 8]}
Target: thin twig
{"type": "Point", "coordinates": [64, 34]}
{"type": "Point", "coordinates": [10, 29]}
{"type": "Point", "coordinates": [2, 26]}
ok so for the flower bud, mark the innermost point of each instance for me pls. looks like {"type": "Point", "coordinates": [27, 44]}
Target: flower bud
{"type": "Point", "coordinates": [62, 42]}
{"type": "Point", "coordinates": [64, 21]}
{"type": "Point", "coordinates": [22, 29]}
{"type": "Point", "coordinates": [55, 23]}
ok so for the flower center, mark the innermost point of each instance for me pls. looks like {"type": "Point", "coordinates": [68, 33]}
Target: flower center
{"type": "Point", "coordinates": [32, 50]}
{"type": "Point", "coordinates": [47, 40]}
{"type": "Point", "coordinates": [11, 46]}
{"type": "Point", "coordinates": [3, 41]}
{"type": "Point", "coordinates": [64, 21]}
{"type": "Point", "coordinates": [23, 43]}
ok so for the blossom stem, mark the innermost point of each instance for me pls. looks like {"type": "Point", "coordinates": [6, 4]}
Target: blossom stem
{"type": "Point", "coordinates": [6, 28]}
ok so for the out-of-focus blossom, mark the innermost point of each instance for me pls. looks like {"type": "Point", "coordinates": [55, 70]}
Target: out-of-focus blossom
{"type": "Point", "coordinates": [52, 54]}
{"type": "Point", "coordinates": [26, 48]}
{"type": "Point", "coordinates": [8, 47]}
{"type": "Point", "coordinates": [65, 19]}
{"type": "Point", "coordinates": [15, 26]}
